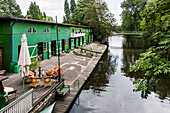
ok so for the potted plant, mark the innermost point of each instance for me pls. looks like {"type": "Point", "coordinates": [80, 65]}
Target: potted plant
{"type": "Point", "coordinates": [34, 65]}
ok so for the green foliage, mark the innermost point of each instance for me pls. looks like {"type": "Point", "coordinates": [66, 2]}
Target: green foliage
{"type": "Point", "coordinates": [66, 18]}
{"type": "Point", "coordinates": [131, 14]}
{"type": "Point", "coordinates": [34, 64]}
{"type": "Point", "coordinates": [72, 6]}
{"type": "Point", "coordinates": [155, 62]}
{"type": "Point", "coordinates": [78, 16]}
{"type": "Point", "coordinates": [48, 19]}
{"type": "Point", "coordinates": [98, 16]}
{"type": "Point", "coordinates": [10, 8]}
{"type": "Point", "coordinates": [75, 16]}
{"type": "Point", "coordinates": [34, 12]}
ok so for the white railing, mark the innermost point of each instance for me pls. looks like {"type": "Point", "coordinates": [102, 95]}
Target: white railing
{"type": "Point", "coordinates": [21, 105]}
{"type": "Point", "coordinates": [77, 35]}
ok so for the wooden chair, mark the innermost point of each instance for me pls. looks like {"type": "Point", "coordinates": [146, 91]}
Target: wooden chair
{"type": "Point", "coordinates": [47, 81]}
{"type": "Point", "coordinates": [35, 81]}
{"type": "Point", "coordinates": [31, 74]}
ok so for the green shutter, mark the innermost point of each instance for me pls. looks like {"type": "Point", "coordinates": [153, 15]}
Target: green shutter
{"type": "Point", "coordinates": [89, 39]}
{"type": "Point", "coordinates": [72, 44]}
{"type": "Point", "coordinates": [60, 47]}
{"type": "Point", "coordinates": [84, 40]}
{"type": "Point", "coordinates": [77, 42]}
{"type": "Point", "coordinates": [81, 41]}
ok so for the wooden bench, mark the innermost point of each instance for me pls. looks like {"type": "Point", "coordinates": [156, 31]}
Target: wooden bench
{"type": "Point", "coordinates": [62, 90]}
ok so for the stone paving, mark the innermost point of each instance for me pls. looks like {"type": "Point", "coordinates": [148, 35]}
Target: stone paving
{"type": "Point", "coordinates": [73, 67]}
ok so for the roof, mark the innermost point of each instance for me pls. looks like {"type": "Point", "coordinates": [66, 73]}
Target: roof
{"type": "Point", "coordinates": [39, 21]}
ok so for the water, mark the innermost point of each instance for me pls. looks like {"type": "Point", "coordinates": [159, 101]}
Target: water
{"type": "Point", "coordinates": [110, 87]}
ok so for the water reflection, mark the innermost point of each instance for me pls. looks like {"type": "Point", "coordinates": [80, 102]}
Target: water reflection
{"type": "Point", "coordinates": [100, 77]}
{"type": "Point", "coordinates": [110, 87]}
{"type": "Point", "coordinates": [129, 58]}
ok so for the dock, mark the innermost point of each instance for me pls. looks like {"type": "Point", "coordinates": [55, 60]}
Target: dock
{"type": "Point", "coordinates": [76, 71]}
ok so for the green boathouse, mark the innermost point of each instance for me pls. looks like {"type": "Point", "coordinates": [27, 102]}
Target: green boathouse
{"type": "Point", "coordinates": [41, 39]}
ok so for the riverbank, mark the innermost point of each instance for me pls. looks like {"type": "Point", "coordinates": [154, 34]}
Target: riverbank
{"type": "Point", "coordinates": [77, 84]}
{"type": "Point", "coordinates": [76, 70]}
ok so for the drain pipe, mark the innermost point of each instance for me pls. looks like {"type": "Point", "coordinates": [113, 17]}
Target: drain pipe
{"type": "Point", "coordinates": [12, 42]}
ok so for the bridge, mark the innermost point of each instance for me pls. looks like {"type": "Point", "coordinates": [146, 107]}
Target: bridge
{"type": "Point", "coordinates": [129, 33]}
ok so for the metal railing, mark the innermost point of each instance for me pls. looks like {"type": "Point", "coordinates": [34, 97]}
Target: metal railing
{"type": "Point", "coordinates": [77, 34]}
{"type": "Point", "coordinates": [128, 33]}
{"type": "Point", "coordinates": [21, 105]}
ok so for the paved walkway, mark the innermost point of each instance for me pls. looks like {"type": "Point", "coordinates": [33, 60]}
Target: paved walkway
{"type": "Point", "coordinates": [73, 67]}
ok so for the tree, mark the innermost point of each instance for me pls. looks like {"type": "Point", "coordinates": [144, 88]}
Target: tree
{"type": "Point", "coordinates": [44, 15]}
{"type": "Point", "coordinates": [66, 18]}
{"type": "Point", "coordinates": [75, 16]}
{"type": "Point", "coordinates": [34, 12]}
{"type": "Point", "coordinates": [131, 14]}
{"type": "Point", "coordinates": [78, 16]}
{"type": "Point", "coordinates": [72, 6]}
{"type": "Point", "coordinates": [48, 18]}
{"type": "Point", "coordinates": [154, 64]}
{"type": "Point", "coordinates": [10, 8]}
{"type": "Point", "coordinates": [98, 16]}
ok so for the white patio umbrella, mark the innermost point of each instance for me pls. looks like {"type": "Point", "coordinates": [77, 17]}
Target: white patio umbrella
{"type": "Point", "coordinates": [24, 58]}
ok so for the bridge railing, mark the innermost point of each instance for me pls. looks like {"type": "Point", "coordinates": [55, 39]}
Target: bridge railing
{"type": "Point", "coordinates": [138, 32]}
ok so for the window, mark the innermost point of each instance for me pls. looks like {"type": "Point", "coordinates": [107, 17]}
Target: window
{"type": "Point", "coordinates": [30, 30]}
{"type": "Point", "coordinates": [83, 31]}
{"type": "Point", "coordinates": [47, 30]}
{"type": "Point", "coordinates": [59, 30]}
{"type": "Point", "coordinates": [66, 30]}
{"type": "Point", "coordinates": [34, 30]}
{"type": "Point", "coordinates": [72, 31]}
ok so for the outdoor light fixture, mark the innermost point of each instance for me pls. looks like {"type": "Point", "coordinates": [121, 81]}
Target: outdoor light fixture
{"type": "Point", "coordinates": [58, 43]}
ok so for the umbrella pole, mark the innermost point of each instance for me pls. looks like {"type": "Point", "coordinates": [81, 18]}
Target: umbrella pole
{"type": "Point", "coordinates": [23, 84]}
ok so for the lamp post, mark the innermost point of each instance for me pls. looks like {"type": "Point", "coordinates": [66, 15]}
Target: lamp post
{"type": "Point", "coordinates": [58, 44]}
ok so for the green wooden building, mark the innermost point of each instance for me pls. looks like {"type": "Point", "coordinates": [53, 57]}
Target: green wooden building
{"type": "Point", "coordinates": [41, 39]}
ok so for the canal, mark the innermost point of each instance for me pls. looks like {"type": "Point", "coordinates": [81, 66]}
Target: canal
{"type": "Point", "coordinates": [110, 87]}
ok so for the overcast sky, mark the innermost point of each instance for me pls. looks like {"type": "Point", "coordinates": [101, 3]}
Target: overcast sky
{"type": "Point", "coordinates": [56, 7]}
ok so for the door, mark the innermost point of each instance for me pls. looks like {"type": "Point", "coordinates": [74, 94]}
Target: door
{"type": "Point", "coordinates": [53, 48]}
{"type": "Point", "coordinates": [40, 51]}
{"type": "Point", "coordinates": [63, 44]}
{"type": "Point", "coordinates": [1, 54]}
{"type": "Point", "coordinates": [70, 43]}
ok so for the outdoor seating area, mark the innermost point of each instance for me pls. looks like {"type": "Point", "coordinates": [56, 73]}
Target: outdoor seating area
{"type": "Point", "coordinates": [36, 80]}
